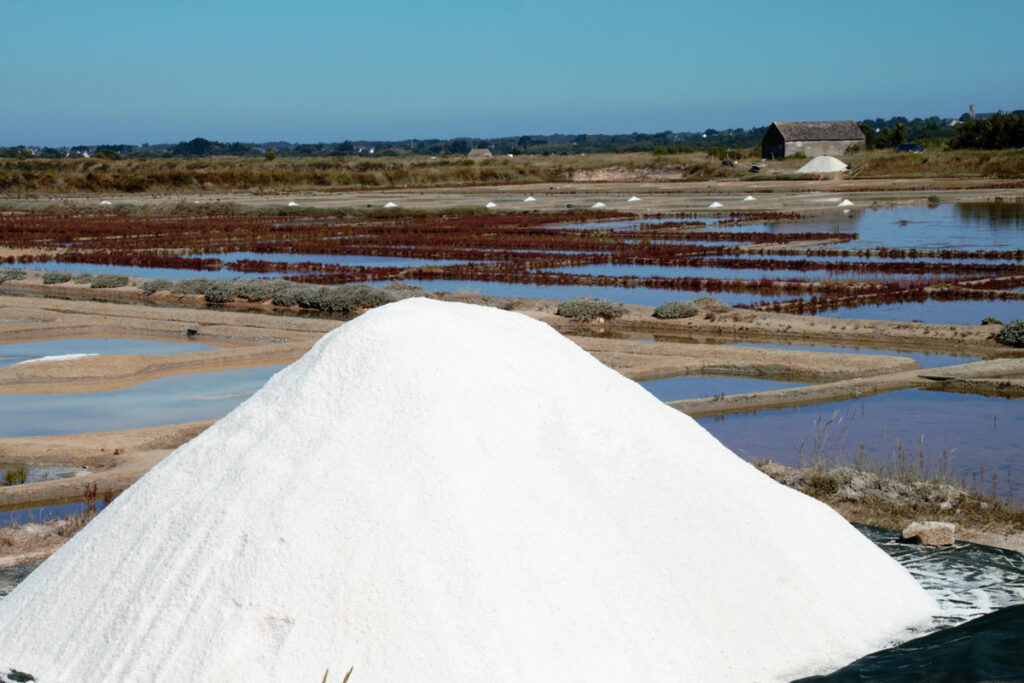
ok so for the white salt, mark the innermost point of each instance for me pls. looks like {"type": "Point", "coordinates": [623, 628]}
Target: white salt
{"type": "Point", "coordinates": [715, 205]}
{"type": "Point", "coordinates": [491, 205]}
{"type": "Point", "coordinates": [529, 199]}
{"type": "Point", "coordinates": [823, 164]}
{"type": "Point", "coordinates": [634, 198]}
{"type": "Point", "coordinates": [390, 205]}
{"type": "Point", "coordinates": [441, 492]}
{"type": "Point", "coordinates": [50, 359]}
{"type": "Point", "coordinates": [749, 198]}
{"type": "Point", "coordinates": [845, 202]}
{"type": "Point", "coordinates": [293, 203]}
{"type": "Point", "coordinates": [598, 205]}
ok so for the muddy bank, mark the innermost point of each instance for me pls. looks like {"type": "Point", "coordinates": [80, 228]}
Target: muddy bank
{"type": "Point", "coordinates": [966, 376]}
{"type": "Point", "coordinates": [643, 361]}
{"type": "Point", "coordinates": [893, 502]}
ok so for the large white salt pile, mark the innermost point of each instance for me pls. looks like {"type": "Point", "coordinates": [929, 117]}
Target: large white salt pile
{"type": "Point", "coordinates": [444, 492]}
{"type": "Point", "coordinates": [823, 164]}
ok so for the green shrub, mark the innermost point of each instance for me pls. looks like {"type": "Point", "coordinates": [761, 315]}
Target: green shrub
{"type": "Point", "coordinates": [11, 274]}
{"type": "Point", "coordinates": [159, 285]}
{"type": "Point", "coordinates": [16, 475]}
{"type": "Point", "coordinates": [710, 303]}
{"type": "Point", "coordinates": [192, 286]}
{"type": "Point", "coordinates": [403, 290]}
{"type": "Point", "coordinates": [294, 294]}
{"type": "Point", "coordinates": [587, 308]}
{"type": "Point", "coordinates": [1012, 334]}
{"type": "Point", "coordinates": [108, 280]}
{"type": "Point", "coordinates": [56, 277]}
{"type": "Point", "coordinates": [989, 320]}
{"type": "Point", "coordinates": [676, 309]}
{"type": "Point", "coordinates": [220, 291]}
{"type": "Point", "coordinates": [256, 290]}
{"type": "Point", "coordinates": [83, 278]}
{"type": "Point", "coordinates": [348, 298]}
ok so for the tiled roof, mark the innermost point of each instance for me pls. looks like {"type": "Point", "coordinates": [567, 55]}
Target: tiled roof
{"type": "Point", "coordinates": [819, 130]}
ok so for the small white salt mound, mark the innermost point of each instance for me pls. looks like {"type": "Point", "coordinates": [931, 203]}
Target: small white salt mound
{"type": "Point", "coordinates": [598, 205]}
{"type": "Point", "coordinates": [715, 205]}
{"type": "Point", "coordinates": [845, 202]}
{"type": "Point", "coordinates": [491, 205]}
{"type": "Point", "coordinates": [390, 205]}
{"type": "Point", "coordinates": [106, 202]}
{"type": "Point", "coordinates": [823, 164]}
{"type": "Point", "coordinates": [50, 359]}
{"type": "Point", "coordinates": [441, 492]}
{"type": "Point", "coordinates": [529, 199]}
{"type": "Point", "coordinates": [634, 198]}
{"type": "Point", "coordinates": [749, 198]}
{"type": "Point", "coordinates": [293, 204]}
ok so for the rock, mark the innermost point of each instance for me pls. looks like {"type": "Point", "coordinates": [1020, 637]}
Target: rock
{"type": "Point", "coordinates": [930, 533]}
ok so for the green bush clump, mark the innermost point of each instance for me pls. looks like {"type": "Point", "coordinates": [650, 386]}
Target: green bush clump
{"type": "Point", "coordinates": [56, 277]}
{"type": "Point", "coordinates": [347, 298]}
{"type": "Point", "coordinates": [11, 274]}
{"type": "Point", "coordinates": [257, 290]}
{"type": "Point", "coordinates": [15, 476]}
{"type": "Point", "coordinates": [710, 303]}
{"type": "Point", "coordinates": [220, 292]}
{"type": "Point", "coordinates": [1012, 334]}
{"type": "Point", "coordinates": [192, 286]}
{"type": "Point", "coordinates": [676, 309]}
{"type": "Point", "coordinates": [588, 308]}
{"type": "Point", "coordinates": [158, 285]}
{"type": "Point", "coordinates": [83, 278]}
{"type": "Point", "coordinates": [294, 294]}
{"type": "Point", "coordinates": [989, 320]}
{"type": "Point", "coordinates": [403, 290]}
{"type": "Point", "coordinates": [108, 280]}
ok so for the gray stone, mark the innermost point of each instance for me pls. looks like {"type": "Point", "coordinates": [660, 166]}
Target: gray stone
{"type": "Point", "coordinates": [930, 533]}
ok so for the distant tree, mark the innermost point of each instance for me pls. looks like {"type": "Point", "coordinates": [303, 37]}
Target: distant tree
{"type": "Point", "coordinates": [460, 146]}
{"type": "Point", "coordinates": [270, 155]}
{"type": "Point", "coordinates": [869, 135]}
{"type": "Point", "coordinates": [196, 147]}
{"type": "Point", "coordinates": [998, 132]}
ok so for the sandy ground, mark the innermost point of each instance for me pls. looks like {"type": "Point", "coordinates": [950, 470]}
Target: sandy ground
{"type": "Point", "coordinates": [607, 186]}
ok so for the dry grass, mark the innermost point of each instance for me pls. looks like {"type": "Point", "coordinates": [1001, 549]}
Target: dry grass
{"type": "Point", "coordinates": [76, 176]}
{"type": "Point", "coordinates": [892, 502]}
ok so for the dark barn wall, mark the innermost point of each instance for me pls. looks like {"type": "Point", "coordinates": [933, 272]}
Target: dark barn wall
{"type": "Point", "coordinates": [773, 145]}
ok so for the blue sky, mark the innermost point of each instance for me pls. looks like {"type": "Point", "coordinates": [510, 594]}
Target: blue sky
{"type": "Point", "coordinates": [115, 71]}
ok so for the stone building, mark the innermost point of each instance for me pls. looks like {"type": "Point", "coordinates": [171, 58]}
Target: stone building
{"type": "Point", "coordinates": [813, 138]}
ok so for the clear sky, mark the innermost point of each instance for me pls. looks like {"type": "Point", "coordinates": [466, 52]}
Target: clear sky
{"type": "Point", "coordinates": [131, 71]}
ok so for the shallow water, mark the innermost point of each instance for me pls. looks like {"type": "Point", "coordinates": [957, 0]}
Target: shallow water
{"type": "Point", "coordinates": [679, 388]}
{"type": "Point", "coordinates": [168, 400]}
{"type": "Point", "coordinates": [947, 226]}
{"type": "Point", "coordinates": [17, 353]}
{"type": "Point", "coordinates": [953, 312]}
{"type": "Point", "coordinates": [43, 514]}
{"type": "Point", "coordinates": [924, 359]}
{"type": "Point", "coordinates": [46, 472]}
{"type": "Point", "coordinates": [972, 437]}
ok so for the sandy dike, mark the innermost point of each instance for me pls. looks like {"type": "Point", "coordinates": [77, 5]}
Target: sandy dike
{"type": "Point", "coordinates": [113, 460]}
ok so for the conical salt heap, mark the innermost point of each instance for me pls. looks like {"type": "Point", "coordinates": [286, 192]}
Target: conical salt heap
{"type": "Point", "coordinates": [444, 492]}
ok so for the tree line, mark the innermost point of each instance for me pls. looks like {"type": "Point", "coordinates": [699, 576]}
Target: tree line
{"type": "Point", "coordinates": [996, 132]}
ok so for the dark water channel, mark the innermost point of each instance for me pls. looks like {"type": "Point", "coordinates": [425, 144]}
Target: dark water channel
{"type": "Point", "coordinates": [969, 437]}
